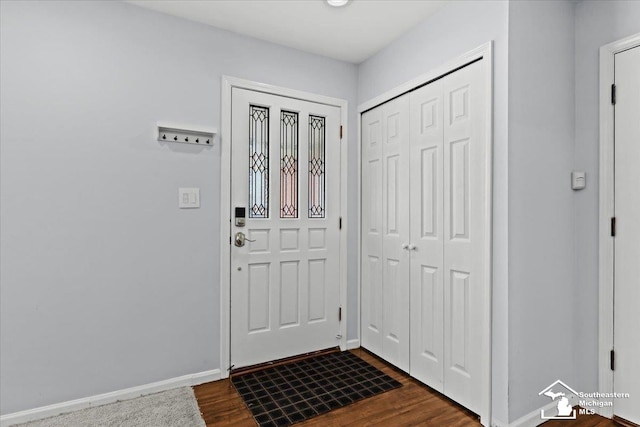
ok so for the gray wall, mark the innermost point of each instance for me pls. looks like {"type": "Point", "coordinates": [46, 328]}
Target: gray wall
{"type": "Point", "coordinates": [597, 23]}
{"type": "Point", "coordinates": [455, 29]}
{"type": "Point", "coordinates": [541, 233]}
{"type": "Point", "coordinates": [105, 284]}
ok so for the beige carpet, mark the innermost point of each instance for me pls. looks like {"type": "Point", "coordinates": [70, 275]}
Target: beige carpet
{"type": "Point", "coordinates": [172, 408]}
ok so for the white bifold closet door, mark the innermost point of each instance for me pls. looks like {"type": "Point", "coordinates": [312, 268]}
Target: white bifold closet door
{"type": "Point", "coordinates": [448, 210]}
{"type": "Point", "coordinates": [427, 217]}
{"type": "Point", "coordinates": [424, 194]}
{"type": "Point", "coordinates": [385, 230]}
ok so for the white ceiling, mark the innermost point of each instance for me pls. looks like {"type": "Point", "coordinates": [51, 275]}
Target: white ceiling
{"type": "Point", "coordinates": [350, 33]}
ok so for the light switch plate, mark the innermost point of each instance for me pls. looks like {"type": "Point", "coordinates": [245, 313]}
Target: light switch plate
{"type": "Point", "coordinates": [188, 198]}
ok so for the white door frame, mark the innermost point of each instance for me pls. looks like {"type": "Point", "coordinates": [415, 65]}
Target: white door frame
{"type": "Point", "coordinates": [225, 203]}
{"type": "Point", "coordinates": [607, 209]}
{"type": "Point", "coordinates": [485, 52]}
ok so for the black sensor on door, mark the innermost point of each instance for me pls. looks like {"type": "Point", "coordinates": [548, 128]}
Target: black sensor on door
{"type": "Point", "coordinates": [240, 216]}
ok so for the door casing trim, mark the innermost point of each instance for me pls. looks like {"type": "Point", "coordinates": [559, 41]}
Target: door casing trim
{"type": "Point", "coordinates": [228, 83]}
{"type": "Point", "coordinates": [606, 212]}
{"type": "Point", "coordinates": [484, 52]}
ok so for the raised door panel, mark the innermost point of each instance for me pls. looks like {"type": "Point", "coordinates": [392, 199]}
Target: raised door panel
{"type": "Point", "coordinates": [465, 233]}
{"type": "Point", "coordinates": [289, 294]}
{"type": "Point", "coordinates": [259, 289]}
{"type": "Point", "coordinates": [459, 322]}
{"type": "Point", "coordinates": [426, 208]}
{"type": "Point", "coordinates": [317, 290]}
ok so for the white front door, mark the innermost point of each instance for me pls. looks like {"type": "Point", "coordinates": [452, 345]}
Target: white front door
{"type": "Point", "coordinates": [285, 181]}
{"type": "Point", "coordinates": [627, 239]}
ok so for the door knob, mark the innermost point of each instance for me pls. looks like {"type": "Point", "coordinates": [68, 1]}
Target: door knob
{"type": "Point", "coordinates": [413, 248]}
{"type": "Point", "coordinates": [405, 246]}
{"type": "Point", "coordinates": [241, 238]}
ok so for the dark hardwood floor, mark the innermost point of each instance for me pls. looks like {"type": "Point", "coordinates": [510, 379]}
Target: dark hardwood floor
{"type": "Point", "coordinates": [413, 404]}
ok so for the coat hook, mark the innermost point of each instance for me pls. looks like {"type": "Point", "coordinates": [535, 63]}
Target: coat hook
{"type": "Point", "coordinates": [186, 139]}
{"type": "Point", "coordinates": [175, 138]}
{"type": "Point", "coordinates": [207, 141]}
{"type": "Point", "coordinates": [198, 140]}
{"type": "Point", "coordinates": [164, 136]}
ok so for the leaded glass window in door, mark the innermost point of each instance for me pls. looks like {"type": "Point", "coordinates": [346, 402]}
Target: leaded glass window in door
{"type": "Point", "coordinates": [288, 164]}
{"type": "Point", "coordinates": [316, 166]}
{"type": "Point", "coordinates": [258, 162]}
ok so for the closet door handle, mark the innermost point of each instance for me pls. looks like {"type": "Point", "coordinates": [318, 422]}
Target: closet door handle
{"type": "Point", "coordinates": [413, 248]}
{"type": "Point", "coordinates": [405, 246]}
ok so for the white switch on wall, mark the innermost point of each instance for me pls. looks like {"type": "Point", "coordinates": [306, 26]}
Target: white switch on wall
{"type": "Point", "coordinates": [578, 180]}
{"type": "Point", "coordinates": [188, 198]}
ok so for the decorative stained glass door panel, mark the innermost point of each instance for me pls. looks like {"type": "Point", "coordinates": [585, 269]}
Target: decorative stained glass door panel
{"type": "Point", "coordinates": [286, 174]}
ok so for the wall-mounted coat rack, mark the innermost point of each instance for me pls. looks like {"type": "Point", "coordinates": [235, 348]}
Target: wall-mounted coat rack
{"type": "Point", "coordinates": [185, 134]}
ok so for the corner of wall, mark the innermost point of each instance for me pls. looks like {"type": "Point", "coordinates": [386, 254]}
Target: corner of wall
{"type": "Point", "coordinates": [541, 134]}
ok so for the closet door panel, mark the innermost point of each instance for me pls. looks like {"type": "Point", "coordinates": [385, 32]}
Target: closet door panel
{"type": "Point", "coordinates": [464, 232]}
{"type": "Point", "coordinates": [426, 210]}
{"type": "Point", "coordinates": [395, 228]}
{"type": "Point", "coordinates": [372, 260]}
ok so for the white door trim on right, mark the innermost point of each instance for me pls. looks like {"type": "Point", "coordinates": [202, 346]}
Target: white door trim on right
{"type": "Point", "coordinates": [484, 52]}
{"type": "Point", "coordinates": [606, 193]}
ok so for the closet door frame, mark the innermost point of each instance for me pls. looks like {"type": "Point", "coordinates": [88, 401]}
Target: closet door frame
{"type": "Point", "coordinates": [606, 212]}
{"type": "Point", "coordinates": [484, 53]}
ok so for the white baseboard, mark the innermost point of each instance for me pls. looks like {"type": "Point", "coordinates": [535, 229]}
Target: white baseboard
{"type": "Point", "coordinates": [498, 423]}
{"type": "Point", "coordinates": [103, 399]}
{"type": "Point", "coordinates": [532, 419]}
{"type": "Point", "coordinates": [351, 344]}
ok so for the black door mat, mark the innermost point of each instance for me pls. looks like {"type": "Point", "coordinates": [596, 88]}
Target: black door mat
{"type": "Point", "coordinates": [288, 394]}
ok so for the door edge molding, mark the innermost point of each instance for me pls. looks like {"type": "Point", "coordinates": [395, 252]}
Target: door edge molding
{"type": "Point", "coordinates": [606, 212]}
{"type": "Point", "coordinates": [484, 52]}
{"type": "Point", "coordinates": [227, 84]}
